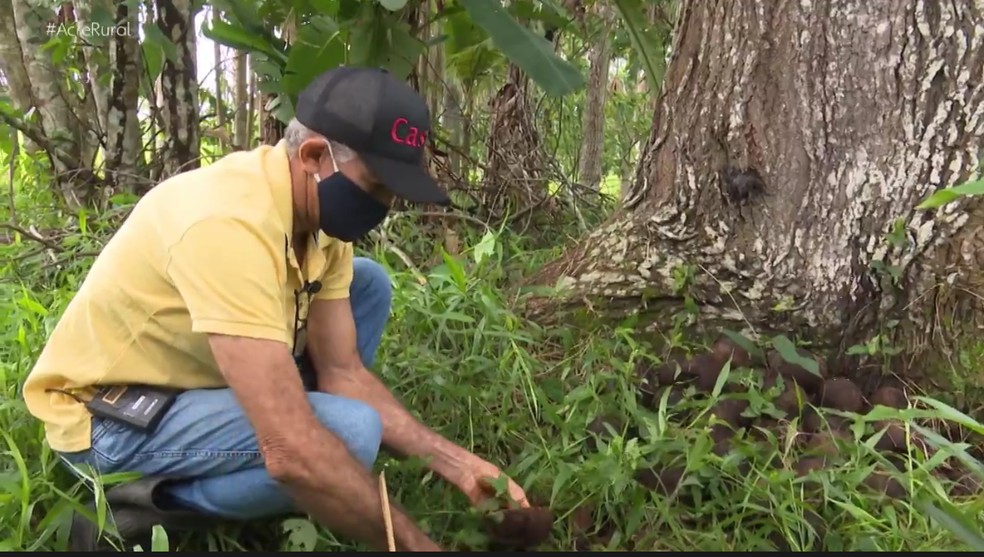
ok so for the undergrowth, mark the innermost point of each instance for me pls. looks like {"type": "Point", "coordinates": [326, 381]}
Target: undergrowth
{"type": "Point", "coordinates": [522, 396]}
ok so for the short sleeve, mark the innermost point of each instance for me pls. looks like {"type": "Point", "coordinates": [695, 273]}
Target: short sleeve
{"type": "Point", "coordinates": [228, 275]}
{"type": "Point", "coordinates": [337, 280]}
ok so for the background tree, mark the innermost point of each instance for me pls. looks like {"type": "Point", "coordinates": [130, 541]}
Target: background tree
{"type": "Point", "coordinates": [675, 167]}
{"type": "Point", "coordinates": [778, 188]}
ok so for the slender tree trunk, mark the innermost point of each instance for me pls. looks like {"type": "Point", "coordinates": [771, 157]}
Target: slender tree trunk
{"type": "Point", "coordinates": [123, 138]}
{"type": "Point", "coordinates": [269, 129]}
{"type": "Point", "coordinates": [179, 88]}
{"type": "Point", "coordinates": [593, 123]}
{"type": "Point", "coordinates": [94, 51]}
{"type": "Point", "coordinates": [454, 123]}
{"type": "Point", "coordinates": [12, 66]}
{"type": "Point", "coordinates": [850, 113]}
{"type": "Point", "coordinates": [59, 126]}
{"type": "Point", "coordinates": [244, 104]}
{"type": "Point", "coordinates": [219, 105]}
{"type": "Point", "coordinates": [272, 128]}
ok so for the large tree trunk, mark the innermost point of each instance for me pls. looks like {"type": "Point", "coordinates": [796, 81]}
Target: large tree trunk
{"type": "Point", "coordinates": [179, 88]}
{"type": "Point", "coordinates": [851, 113]}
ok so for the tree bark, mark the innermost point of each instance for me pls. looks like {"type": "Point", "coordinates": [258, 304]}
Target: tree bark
{"type": "Point", "coordinates": [851, 113]}
{"type": "Point", "coordinates": [60, 127]}
{"type": "Point", "coordinates": [94, 48]}
{"type": "Point", "coordinates": [12, 66]}
{"type": "Point", "coordinates": [514, 179]}
{"type": "Point", "coordinates": [271, 128]}
{"type": "Point", "coordinates": [219, 105]}
{"type": "Point", "coordinates": [179, 88]}
{"type": "Point", "coordinates": [244, 104]}
{"type": "Point", "coordinates": [123, 141]}
{"type": "Point", "coordinates": [593, 122]}
{"type": "Point", "coordinates": [453, 120]}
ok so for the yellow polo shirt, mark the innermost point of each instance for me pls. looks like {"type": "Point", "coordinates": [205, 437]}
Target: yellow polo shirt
{"type": "Point", "coordinates": [206, 251]}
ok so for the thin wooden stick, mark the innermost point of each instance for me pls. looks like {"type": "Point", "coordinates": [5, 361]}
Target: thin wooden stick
{"type": "Point", "coordinates": [387, 516]}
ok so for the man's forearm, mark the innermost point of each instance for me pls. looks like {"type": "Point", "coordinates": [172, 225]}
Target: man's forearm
{"type": "Point", "coordinates": [402, 433]}
{"type": "Point", "coordinates": [347, 498]}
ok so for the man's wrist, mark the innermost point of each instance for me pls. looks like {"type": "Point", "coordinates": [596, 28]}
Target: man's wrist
{"type": "Point", "coordinates": [449, 460]}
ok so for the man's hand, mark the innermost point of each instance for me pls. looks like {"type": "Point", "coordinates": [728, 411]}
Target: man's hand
{"type": "Point", "coordinates": [307, 459]}
{"type": "Point", "coordinates": [332, 345]}
{"type": "Point", "coordinates": [477, 480]}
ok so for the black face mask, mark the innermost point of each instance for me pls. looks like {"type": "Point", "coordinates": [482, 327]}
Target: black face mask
{"type": "Point", "coordinates": [347, 211]}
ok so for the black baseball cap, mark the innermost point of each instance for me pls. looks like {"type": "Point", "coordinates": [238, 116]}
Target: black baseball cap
{"type": "Point", "coordinates": [379, 117]}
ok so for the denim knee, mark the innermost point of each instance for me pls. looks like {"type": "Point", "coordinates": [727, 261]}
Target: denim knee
{"type": "Point", "coordinates": [356, 423]}
{"type": "Point", "coordinates": [369, 278]}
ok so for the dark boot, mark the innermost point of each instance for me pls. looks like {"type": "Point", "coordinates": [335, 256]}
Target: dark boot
{"type": "Point", "coordinates": [134, 509]}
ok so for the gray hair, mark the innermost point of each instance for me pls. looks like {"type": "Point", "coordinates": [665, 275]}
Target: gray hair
{"type": "Point", "coordinates": [297, 133]}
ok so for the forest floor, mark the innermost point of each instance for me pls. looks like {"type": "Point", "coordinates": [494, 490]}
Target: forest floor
{"type": "Point", "coordinates": [459, 356]}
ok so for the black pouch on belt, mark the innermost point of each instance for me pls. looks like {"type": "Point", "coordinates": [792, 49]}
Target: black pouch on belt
{"type": "Point", "coordinates": [139, 406]}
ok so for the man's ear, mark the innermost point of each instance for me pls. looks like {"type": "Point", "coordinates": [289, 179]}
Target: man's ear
{"type": "Point", "coordinates": [311, 152]}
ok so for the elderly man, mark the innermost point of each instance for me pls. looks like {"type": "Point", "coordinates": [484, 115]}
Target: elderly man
{"type": "Point", "coordinates": [178, 357]}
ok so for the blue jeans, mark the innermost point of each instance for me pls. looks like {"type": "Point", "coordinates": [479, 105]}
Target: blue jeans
{"type": "Point", "coordinates": [206, 438]}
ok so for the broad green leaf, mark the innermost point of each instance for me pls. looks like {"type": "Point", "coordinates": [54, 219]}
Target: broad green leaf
{"type": "Point", "coordinates": [106, 19]}
{"type": "Point", "coordinates": [368, 39]}
{"type": "Point", "coordinates": [351, 10]}
{"type": "Point", "coordinates": [951, 518]}
{"type": "Point", "coordinates": [263, 67]}
{"type": "Point", "coordinates": [556, 76]}
{"type": "Point", "coordinates": [317, 27]}
{"type": "Point", "coordinates": [154, 36]}
{"type": "Point", "coordinates": [272, 87]}
{"type": "Point", "coordinates": [238, 37]}
{"type": "Point", "coordinates": [644, 45]}
{"type": "Point", "coordinates": [301, 534]}
{"type": "Point", "coordinates": [958, 450]}
{"type": "Point", "coordinates": [469, 50]}
{"type": "Point", "coordinates": [159, 540]}
{"type": "Point", "coordinates": [789, 353]}
{"type": "Point", "coordinates": [245, 14]}
{"type": "Point", "coordinates": [403, 51]}
{"type": "Point", "coordinates": [322, 6]}
{"type": "Point", "coordinates": [284, 110]}
{"type": "Point", "coordinates": [311, 55]}
{"type": "Point", "coordinates": [560, 481]}
{"type": "Point", "coordinates": [31, 305]}
{"type": "Point", "coordinates": [456, 270]}
{"type": "Point", "coordinates": [462, 32]}
{"type": "Point", "coordinates": [8, 138]}
{"type": "Point", "coordinates": [485, 247]}
{"type": "Point", "coordinates": [743, 342]}
{"type": "Point", "coordinates": [951, 414]}
{"type": "Point", "coordinates": [946, 195]}
{"type": "Point", "coordinates": [457, 316]}
{"type": "Point", "coordinates": [548, 12]}
{"type": "Point", "coordinates": [153, 57]}
{"type": "Point", "coordinates": [475, 61]}
{"type": "Point", "coordinates": [721, 380]}
{"type": "Point", "coordinates": [393, 5]}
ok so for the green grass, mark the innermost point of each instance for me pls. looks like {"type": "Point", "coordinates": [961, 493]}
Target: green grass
{"type": "Point", "coordinates": [522, 397]}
